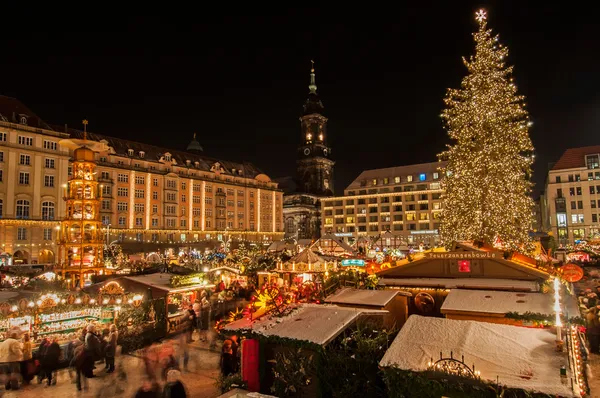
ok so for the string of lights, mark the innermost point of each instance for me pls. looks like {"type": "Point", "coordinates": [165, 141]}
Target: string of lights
{"type": "Point", "coordinates": [487, 176]}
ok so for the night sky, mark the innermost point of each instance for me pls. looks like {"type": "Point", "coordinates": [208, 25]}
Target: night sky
{"type": "Point", "coordinates": [239, 82]}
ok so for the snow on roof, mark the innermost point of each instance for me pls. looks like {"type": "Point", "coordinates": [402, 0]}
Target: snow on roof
{"type": "Point", "coordinates": [318, 324]}
{"type": "Point", "coordinates": [378, 298]}
{"type": "Point", "coordinates": [471, 283]}
{"type": "Point", "coordinates": [162, 281]}
{"type": "Point", "coordinates": [495, 302]}
{"type": "Point", "coordinates": [511, 353]}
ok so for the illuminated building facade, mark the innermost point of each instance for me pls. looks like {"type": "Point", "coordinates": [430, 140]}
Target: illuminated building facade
{"type": "Point", "coordinates": [33, 166]}
{"type": "Point", "coordinates": [572, 196]}
{"type": "Point", "coordinates": [405, 201]}
{"type": "Point", "coordinates": [146, 193]}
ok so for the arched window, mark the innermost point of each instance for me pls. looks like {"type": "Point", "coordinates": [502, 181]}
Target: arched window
{"type": "Point", "coordinates": [1, 203]}
{"type": "Point", "coordinates": [47, 211]}
{"type": "Point", "coordinates": [23, 208]}
{"type": "Point", "coordinates": [290, 226]}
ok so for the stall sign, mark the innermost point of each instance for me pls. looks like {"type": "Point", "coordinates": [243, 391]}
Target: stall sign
{"type": "Point", "coordinates": [351, 262]}
{"type": "Point", "coordinates": [571, 272]}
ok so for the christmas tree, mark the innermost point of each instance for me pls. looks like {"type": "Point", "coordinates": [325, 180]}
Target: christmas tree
{"type": "Point", "coordinates": [488, 170]}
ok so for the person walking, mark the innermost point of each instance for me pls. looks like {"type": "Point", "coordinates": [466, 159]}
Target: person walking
{"type": "Point", "coordinates": [50, 361]}
{"type": "Point", "coordinates": [11, 355]}
{"type": "Point", "coordinates": [79, 362]}
{"type": "Point", "coordinates": [227, 359]}
{"type": "Point", "coordinates": [91, 349]}
{"type": "Point", "coordinates": [593, 330]}
{"type": "Point", "coordinates": [111, 348]}
{"type": "Point", "coordinates": [27, 369]}
{"type": "Point", "coordinates": [193, 323]}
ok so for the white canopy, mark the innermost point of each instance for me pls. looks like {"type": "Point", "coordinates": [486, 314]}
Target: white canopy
{"type": "Point", "coordinates": [519, 357]}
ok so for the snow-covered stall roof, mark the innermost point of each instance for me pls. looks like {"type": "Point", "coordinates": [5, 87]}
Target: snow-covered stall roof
{"type": "Point", "coordinates": [495, 302]}
{"type": "Point", "coordinates": [162, 281]}
{"type": "Point", "coordinates": [375, 298]}
{"type": "Point", "coordinates": [330, 243]}
{"type": "Point", "coordinates": [468, 283]}
{"type": "Point", "coordinates": [318, 324]}
{"type": "Point", "coordinates": [520, 357]}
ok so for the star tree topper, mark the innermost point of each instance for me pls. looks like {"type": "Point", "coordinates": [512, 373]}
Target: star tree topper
{"type": "Point", "coordinates": [481, 15]}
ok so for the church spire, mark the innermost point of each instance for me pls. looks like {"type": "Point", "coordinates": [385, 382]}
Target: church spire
{"type": "Point", "coordinates": [312, 86]}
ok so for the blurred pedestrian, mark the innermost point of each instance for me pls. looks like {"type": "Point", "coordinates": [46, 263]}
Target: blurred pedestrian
{"type": "Point", "coordinates": [27, 366]}
{"type": "Point", "coordinates": [184, 351]}
{"type": "Point", "coordinates": [193, 322]}
{"type": "Point", "coordinates": [11, 355]}
{"type": "Point", "coordinates": [227, 359]}
{"type": "Point", "coordinates": [111, 348]}
{"type": "Point", "coordinates": [50, 361]}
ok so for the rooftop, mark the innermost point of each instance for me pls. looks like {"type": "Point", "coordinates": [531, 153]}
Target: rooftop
{"type": "Point", "coordinates": [11, 111]}
{"type": "Point", "coordinates": [397, 171]}
{"type": "Point", "coordinates": [495, 302]}
{"type": "Point", "coordinates": [318, 324]}
{"type": "Point", "coordinates": [376, 298]}
{"type": "Point", "coordinates": [575, 157]}
{"type": "Point", "coordinates": [519, 357]}
{"type": "Point", "coordinates": [466, 283]}
{"type": "Point", "coordinates": [162, 281]}
{"type": "Point", "coordinates": [154, 153]}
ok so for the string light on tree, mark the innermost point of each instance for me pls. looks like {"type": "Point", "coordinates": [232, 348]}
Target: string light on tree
{"type": "Point", "coordinates": [487, 176]}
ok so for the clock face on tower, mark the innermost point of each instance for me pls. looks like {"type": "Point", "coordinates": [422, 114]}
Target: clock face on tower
{"type": "Point", "coordinates": [306, 151]}
{"type": "Point", "coordinates": [325, 151]}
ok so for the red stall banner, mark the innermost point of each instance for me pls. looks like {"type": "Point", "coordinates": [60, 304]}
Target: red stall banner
{"type": "Point", "coordinates": [250, 364]}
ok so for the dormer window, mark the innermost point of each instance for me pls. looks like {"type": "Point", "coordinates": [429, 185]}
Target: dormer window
{"type": "Point", "coordinates": [130, 152]}
{"type": "Point", "coordinates": [142, 154]}
{"type": "Point", "coordinates": [592, 161]}
{"type": "Point", "coordinates": [188, 162]}
{"type": "Point", "coordinates": [23, 120]}
{"type": "Point", "coordinates": [197, 164]}
{"type": "Point", "coordinates": [167, 157]}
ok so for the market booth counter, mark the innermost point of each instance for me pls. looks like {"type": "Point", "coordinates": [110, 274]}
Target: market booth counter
{"type": "Point", "coordinates": [179, 291]}
{"type": "Point", "coordinates": [59, 315]}
{"type": "Point", "coordinates": [430, 278]}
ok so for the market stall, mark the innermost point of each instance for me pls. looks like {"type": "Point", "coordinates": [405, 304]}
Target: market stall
{"type": "Point", "coordinates": [179, 292]}
{"type": "Point", "coordinates": [304, 266]}
{"type": "Point", "coordinates": [62, 315]}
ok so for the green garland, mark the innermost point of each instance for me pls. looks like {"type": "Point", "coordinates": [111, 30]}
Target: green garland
{"type": "Point", "coordinates": [540, 318]}
{"type": "Point", "coordinates": [404, 384]}
{"type": "Point", "coordinates": [186, 280]}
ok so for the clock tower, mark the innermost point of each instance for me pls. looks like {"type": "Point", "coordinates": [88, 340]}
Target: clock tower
{"type": "Point", "coordinates": [314, 165]}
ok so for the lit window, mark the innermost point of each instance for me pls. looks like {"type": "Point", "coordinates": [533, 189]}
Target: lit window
{"type": "Point", "coordinates": [47, 211]}
{"type": "Point", "coordinates": [436, 176]}
{"type": "Point", "coordinates": [422, 177]}
{"type": "Point", "coordinates": [397, 180]}
{"type": "Point", "coordinates": [374, 182]}
{"type": "Point", "coordinates": [409, 178]}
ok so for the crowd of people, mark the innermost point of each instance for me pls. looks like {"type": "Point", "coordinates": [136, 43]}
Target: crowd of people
{"type": "Point", "coordinates": [589, 305]}
{"type": "Point", "coordinates": [20, 364]}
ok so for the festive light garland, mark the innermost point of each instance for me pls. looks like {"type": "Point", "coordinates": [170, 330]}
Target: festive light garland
{"type": "Point", "coordinates": [578, 365]}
